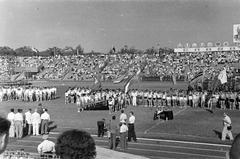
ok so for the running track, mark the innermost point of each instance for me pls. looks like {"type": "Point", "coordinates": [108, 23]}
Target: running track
{"type": "Point", "coordinates": [151, 148]}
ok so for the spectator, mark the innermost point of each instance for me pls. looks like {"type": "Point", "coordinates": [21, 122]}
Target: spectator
{"type": "Point", "coordinates": [75, 144]}
{"type": "Point", "coordinates": [4, 134]}
{"type": "Point", "coordinates": [46, 146]}
{"type": "Point", "coordinates": [234, 152]}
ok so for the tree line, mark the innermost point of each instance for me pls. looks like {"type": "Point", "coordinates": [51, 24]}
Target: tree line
{"type": "Point", "coordinates": [68, 50]}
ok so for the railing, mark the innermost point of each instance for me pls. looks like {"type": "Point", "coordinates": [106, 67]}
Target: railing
{"type": "Point", "coordinates": [24, 155]}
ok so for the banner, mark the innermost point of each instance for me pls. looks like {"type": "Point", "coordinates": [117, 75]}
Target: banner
{"type": "Point", "coordinates": [223, 76]}
{"type": "Point", "coordinates": [236, 33]}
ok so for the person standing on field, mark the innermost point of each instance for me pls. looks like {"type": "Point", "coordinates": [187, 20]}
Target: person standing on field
{"type": "Point", "coordinates": [45, 117]}
{"type": "Point", "coordinates": [36, 120]}
{"type": "Point", "coordinates": [227, 127]}
{"type": "Point", "coordinates": [28, 121]}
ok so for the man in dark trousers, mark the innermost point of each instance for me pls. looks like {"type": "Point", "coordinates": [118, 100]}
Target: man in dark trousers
{"type": "Point", "coordinates": [101, 127]}
{"type": "Point", "coordinates": [113, 128]}
{"type": "Point", "coordinates": [131, 129]}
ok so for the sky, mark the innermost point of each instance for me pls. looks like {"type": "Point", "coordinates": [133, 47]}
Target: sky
{"type": "Point", "coordinates": [99, 25]}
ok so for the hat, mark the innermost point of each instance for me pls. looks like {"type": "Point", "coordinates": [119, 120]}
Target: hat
{"type": "Point", "coordinates": [45, 137]}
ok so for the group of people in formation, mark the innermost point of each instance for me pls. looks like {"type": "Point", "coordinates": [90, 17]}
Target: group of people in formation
{"type": "Point", "coordinates": [27, 93]}
{"type": "Point", "coordinates": [118, 99]}
{"type": "Point", "coordinates": [84, 98]}
{"type": "Point", "coordinates": [123, 127]}
{"type": "Point", "coordinates": [28, 123]}
{"type": "Point", "coordinates": [151, 98]}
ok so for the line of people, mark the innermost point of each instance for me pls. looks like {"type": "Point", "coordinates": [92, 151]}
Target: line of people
{"type": "Point", "coordinates": [28, 123]}
{"type": "Point", "coordinates": [84, 98]}
{"type": "Point", "coordinates": [27, 93]}
{"type": "Point", "coordinates": [181, 98]}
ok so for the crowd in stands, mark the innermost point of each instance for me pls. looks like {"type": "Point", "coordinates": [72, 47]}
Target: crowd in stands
{"type": "Point", "coordinates": [81, 67]}
{"type": "Point", "coordinates": [27, 93]}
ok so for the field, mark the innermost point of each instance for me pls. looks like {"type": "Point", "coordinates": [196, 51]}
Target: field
{"type": "Point", "coordinates": [188, 124]}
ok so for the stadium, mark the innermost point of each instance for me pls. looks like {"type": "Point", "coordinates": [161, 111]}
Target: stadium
{"type": "Point", "coordinates": [186, 100]}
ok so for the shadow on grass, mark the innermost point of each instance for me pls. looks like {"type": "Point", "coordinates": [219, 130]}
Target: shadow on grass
{"type": "Point", "coordinates": [218, 133]}
{"type": "Point", "coordinates": [209, 110]}
{"type": "Point", "coordinates": [51, 126]}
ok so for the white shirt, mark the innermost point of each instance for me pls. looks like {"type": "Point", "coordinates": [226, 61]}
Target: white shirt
{"type": "Point", "coordinates": [36, 118]}
{"type": "Point", "coordinates": [227, 121]}
{"type": "Point", "coordinates": [28, 117]}
{"type": "Point", "coordinates": [18, 117]}
{"type": "Point", "coordinates": [131, 119]}
{"type": "Point", "coordinates": [45, 116]}
{"type": "Point", "coordinates": [123, 128]}
{"type": "Point", "coordinates": [123, 117]}
{"type": "Point", "coordinates": [10, 116]}
{"type": "Point", "coordinates": [46, 146]}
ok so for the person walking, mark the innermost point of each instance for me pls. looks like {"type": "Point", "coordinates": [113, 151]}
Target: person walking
{"type": "Point", "coordinates": [131, 129]}
{"type": "Point", "coordinates": [45, 117]}
{"type": "Point", "coordinates": [10, 117]}
{"type": "Point", "coordinates": [227, 127]}
{"type": "Point", "coordinates": [123, 136]}
{"type": "Point", "coordinates": [18, 120]}
{"type": "Point", "coordinates": [36, 120]}
{"type": "Point", "coordinates": [28, 121]}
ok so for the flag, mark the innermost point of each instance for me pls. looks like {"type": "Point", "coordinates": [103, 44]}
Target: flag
{"type": "Point", "coordinates": [120, 79]}
{"type": "Point", "coordinates": [128, 83]}
{"type": "Point", "coordinates": [101, 68]}
{"type": "Point", "coordinates": [97, 83]}
{"type": "Point", "coordinates": [21, 77]}
{"type": "Point", "coordinates": [124, 75]}
{"type": "Point", "coordinates": [174, 78]}
{"type": "Point", "coordinates": [223, 76]}
{"type": "Point", "coordinates": [198, 77]}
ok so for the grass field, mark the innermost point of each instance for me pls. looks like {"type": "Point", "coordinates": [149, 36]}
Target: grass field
{"type": "Point", "coordinates": [188, 124]}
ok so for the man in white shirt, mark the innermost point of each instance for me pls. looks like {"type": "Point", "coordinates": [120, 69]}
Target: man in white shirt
{"type": "Point", "coordinates": [123, 117]}
{"type": "Point", "coordinates": [123, 136]}
{"type": "Point", "coordinates": [28, 120]}
{"type": "Point", "coordinates": [10, 117]}
{"type": "Point", "coordinates": [18, 120]}
{"type": "Point", "coordinates": [36, 120]}
{"type": "Point", "coordinates": [45, 117]}
{"type": "Point", "coordinates": [131, 130]}
{"type": "Point", "coordinates": [226, 127]}
{"type": "Point", "coordinates": [46, 146]}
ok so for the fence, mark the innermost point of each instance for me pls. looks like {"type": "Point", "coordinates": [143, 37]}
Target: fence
{"type": "Point", "coordinates": [24, 155]}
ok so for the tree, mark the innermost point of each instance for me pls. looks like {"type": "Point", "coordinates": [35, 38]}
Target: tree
{"type": "Point", "coordinates": [79, 49]}
{"type": "Point", "coordinates": [5, 50]}
{"type": "Point", "coordinates": [68, 50]}
{"type": "Point", "coordinates": [151, 51]}
{"type": "Point", "coordinates": [25, 51]}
